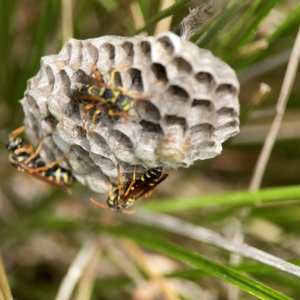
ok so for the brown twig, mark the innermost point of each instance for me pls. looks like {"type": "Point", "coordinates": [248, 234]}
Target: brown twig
{"type": "Point", "coordinates": [286, 88]}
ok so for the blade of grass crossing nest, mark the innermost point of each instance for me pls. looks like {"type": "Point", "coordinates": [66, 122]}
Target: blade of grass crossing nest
{"type": "Point", "coordinates": [5, 293]}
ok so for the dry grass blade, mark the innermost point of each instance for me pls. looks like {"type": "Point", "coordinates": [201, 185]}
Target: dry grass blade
{"type": "Point", "coordinates": [137, 15]}
{"type": "Point", "coordinates": [210, 237]}
{"type": "Point", "coordinates": [87, 280]}
{"type": "Point", "coordinates": [280, 109]}
{"type": "Point", "coordinates": [137, 254]}
{"type": "Point", "coordinates": [67, 19]}
{"type": "Point", "coordinates": [86, 254]}
{"type": "Point", "coordinates": [5, 293]}
{"type": "Point", "coordinates": [118, 256]}
{"type": "Point", "coordinates": [165, 24]}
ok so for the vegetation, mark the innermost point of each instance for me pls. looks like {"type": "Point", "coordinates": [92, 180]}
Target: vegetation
{"type": "Point", "coordinates": [188, 244]}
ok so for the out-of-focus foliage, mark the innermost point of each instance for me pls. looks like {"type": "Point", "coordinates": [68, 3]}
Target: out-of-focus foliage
{"type": "Point", "coordinates": [42, 230]}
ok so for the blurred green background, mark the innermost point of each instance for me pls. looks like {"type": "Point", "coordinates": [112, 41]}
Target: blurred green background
{"type": "Point", "coordinates": [42, 230]}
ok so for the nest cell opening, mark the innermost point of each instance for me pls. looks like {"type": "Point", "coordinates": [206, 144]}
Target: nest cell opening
{"type": "Point", "coordinates": [76, 54]}
{"type": "Point", "coordinates": [78, 76]}
{"type": "Point", "coordinates": [107, 52]}
{"type": "Point", "coordinates": [65, 77]}
{"type": "Point", "coordinates": [202, 111]}
{"type": "Point", "coordinates": [92, 51]}
{"type": "Point", "coordinates": [50, 78]}
{"type": "Point", "coordinates": [33, 123]}
{"type": "Point", "coordinates": [136, 80]}
{"type": "Point", "coordinates": [205, 105]}
{"type": "Point", "coordinates": [226, 92]}
{"type": "Point", "coordinates": [73, 111]}
{"type": "Point", "coordinates": [205, 81]}
{"type": "Point", "coordinates": [117, 80]}
{"type": "Point", "coordinates": [100, 141]}
{"type": "Point", "coordinates": [227, 130]}
{"type": "Point", "coordinates": [227, 112]}
{"type": "Point", "coordinates": [176, 122]}
{"type": "Point", "coordinates": [77, 132]}
{"type": "Point", "coordinates": [102, 161]}
{"type": "Point", "coordinates": [68, 48]}
{"type": "Point", "coordinates": [146, 50]}
{"type": "Point", "coordinates": [33, 106]}
{"type": "Point", "coordinates": [166, 45]}
{"type": "Point", "coordinates": [201, 132]}
{"type": "Point", "coordinates": [129, 51]}
{"type": "Point", "coordinates": [225, 127]}
{"type": "Point", "coordinates": [176, 99]}
{"type": "Point", "coordinates": [51, 121]}
{"type": "Point", "coordinates": [148, 111]}
{"type": "Point", "coordinates": [122, 140]}
{"type": "Point", "coordinates": [83, 154]}
{"type": "Point", "coordinates": [182, 65]}
{"type": "Point", "coordinates": [160, 73]}
{"type": "Point", "coordinates": [202, 147]}
{"type": "Point", "coordinates": [151, 127]}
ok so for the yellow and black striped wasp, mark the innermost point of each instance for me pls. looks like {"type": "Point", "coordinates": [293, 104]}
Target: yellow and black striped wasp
{"type": "Point", "coordinates": [127, 194]}
{"type": "Point", "coordinates": [23, 157]}
{"type": "Point", "coordinates": [94, 91]}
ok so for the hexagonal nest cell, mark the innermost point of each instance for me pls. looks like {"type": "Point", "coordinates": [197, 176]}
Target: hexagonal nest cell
{"type": "Point", "coordinates": [186, 105]}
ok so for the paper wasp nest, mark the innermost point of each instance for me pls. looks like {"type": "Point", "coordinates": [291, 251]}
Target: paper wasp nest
{"type": "Point", "coordinates": [192, 107]}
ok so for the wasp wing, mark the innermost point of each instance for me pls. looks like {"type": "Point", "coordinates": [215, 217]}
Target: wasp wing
{"type": "Point", "coordinates": [41, 177]}
{"type": "Point", "coordinates": [142, 187]}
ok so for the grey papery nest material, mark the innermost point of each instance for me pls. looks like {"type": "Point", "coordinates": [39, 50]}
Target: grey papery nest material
{"type": "Point", "coordinates": [192, 107]}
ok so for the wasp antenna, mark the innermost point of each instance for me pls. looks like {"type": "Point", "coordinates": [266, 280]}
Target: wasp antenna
{"type": "Point", "coordinates": [98, 203]}
{"type": "Point", "coordinates": [145, 97]}
{"type": "Point", "coordinates": [128, 212]}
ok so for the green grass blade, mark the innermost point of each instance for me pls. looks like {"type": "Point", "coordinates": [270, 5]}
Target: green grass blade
{"type": "Point", "coordinates": [234, 198]}
{"type": "Point", "coordinates": [291, 21]}
{"type": "Point", "coordinates": [163, 14]}
{"type": "Point", "coordinates": [241, 24]}
{"type": "Point", "coordinates": [267, 7]}
{"type": "Point", "coordinates": [209, 267]}
{"type": "Point", "coordinates": [145, 6]}
{"type": "Point", "coordinates": [218, 26]}
{"type": "Point", "coordinates": [109, 5]}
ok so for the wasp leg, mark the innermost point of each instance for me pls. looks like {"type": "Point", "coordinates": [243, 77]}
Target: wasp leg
{"type": "Point", "coordinates": [134, 95]}
{"type": "Point", "coordinates": [96, 72]}
{"type": "Point", "coordinates": [16, 132]}
{"type": "Point", "coordinates": [111, 192]}
{"type": "Point", "coordinates": [96, 113]}
{"type": "Point", "coordinates": [113, 73]}
{"type": "Point", "coordinates": [85, 111]}
{"type": "Point", "coordinates": [126, 92]}
{"type": "Point", "coordinates": [44, 168]}
{"type": "Point", "coordinates": [36, 153]}
{"type": "Point", "coordinates": [132, 182]}
{"type": "Point", "coordinates": [114, 113]}
{"type": "Point", "coordinates": [27, 148]}
{"type": "Point", "coordinates": [148, 195]}
{"type": "Point", "coordinates": [120, 180]}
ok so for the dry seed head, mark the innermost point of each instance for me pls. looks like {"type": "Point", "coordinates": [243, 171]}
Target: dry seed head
{"type": "Point", "coordinates": [192, 107]}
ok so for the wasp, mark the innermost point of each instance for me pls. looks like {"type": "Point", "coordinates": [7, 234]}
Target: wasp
{"type": "Point", "coordinates": [127, 194]}
{"type": "Point", "coordinates": [23, 157]}
{"type": "Point", "coordinates": [94, 91]}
